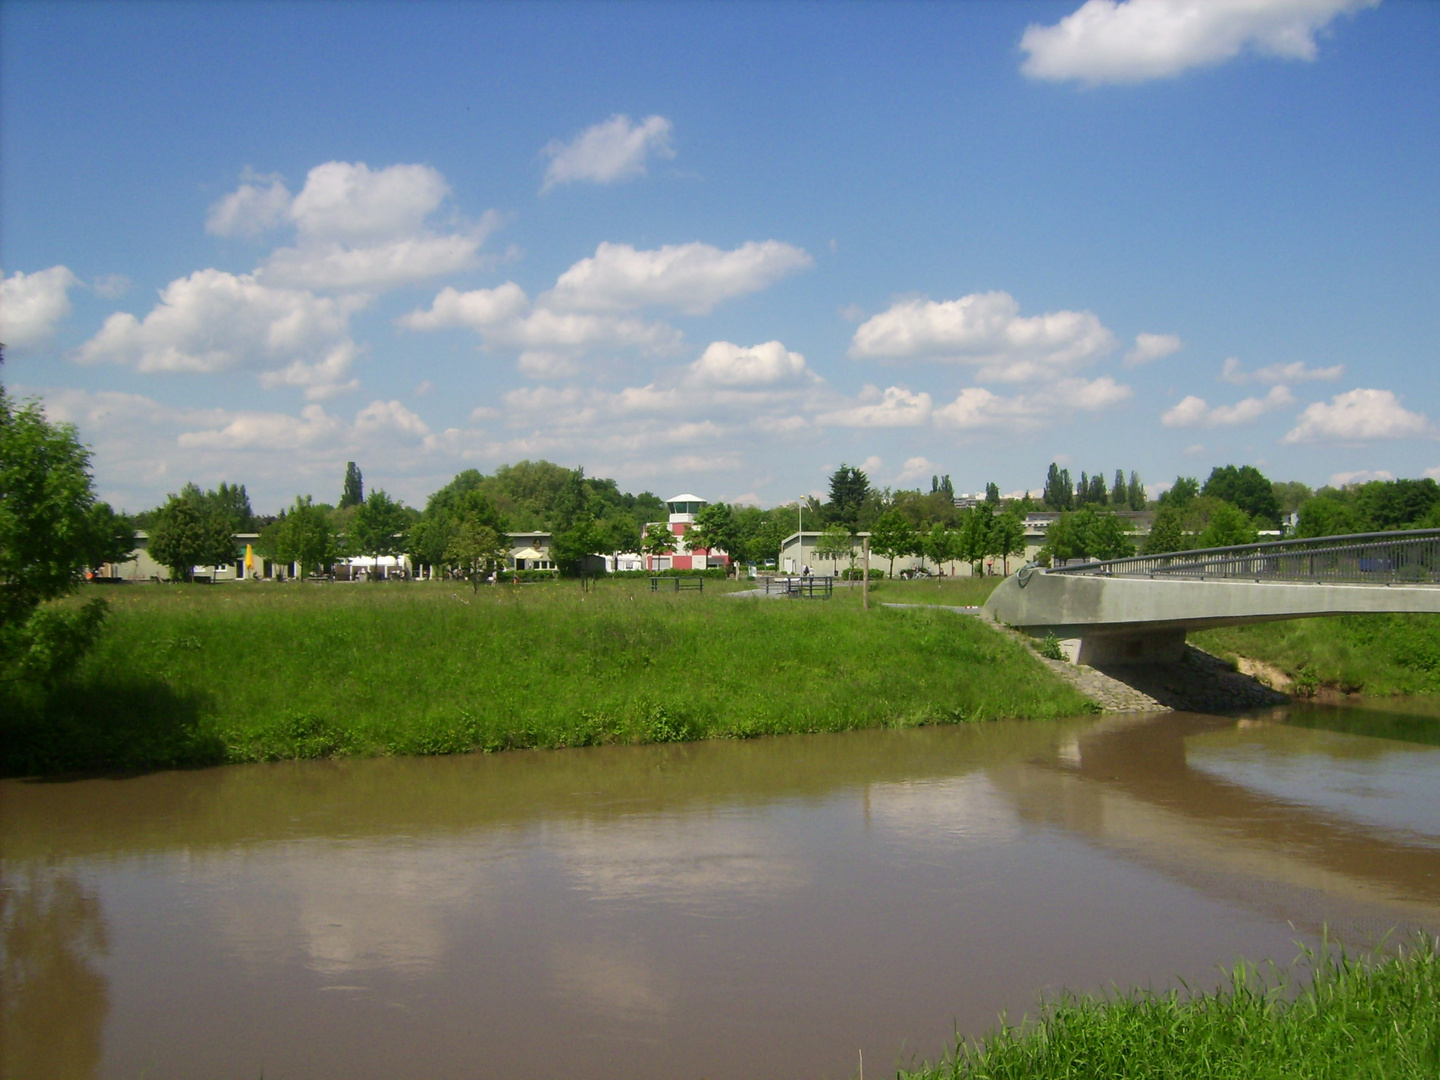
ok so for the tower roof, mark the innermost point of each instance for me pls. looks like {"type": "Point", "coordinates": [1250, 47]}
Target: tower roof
{"type": "Point", "coordinates": [684, 498]}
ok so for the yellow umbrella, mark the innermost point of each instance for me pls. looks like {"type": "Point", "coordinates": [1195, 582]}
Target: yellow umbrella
{"type": "Point", "coordinates": [249, 559]}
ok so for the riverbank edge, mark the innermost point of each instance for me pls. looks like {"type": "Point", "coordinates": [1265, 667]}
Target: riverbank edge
{"type": "Point", "coordinates": [233, 677]}
{"type": "Point", "coordinates": [1330, 1015]}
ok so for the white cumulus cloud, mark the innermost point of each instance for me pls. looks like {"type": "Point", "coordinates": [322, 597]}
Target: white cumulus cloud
{"type": "Point", "coordinates": [32, 304]}
{"type": "Point", "coordinates": [259, 204]}
{"type": "Point", "coordinates": [894, 407]}
{"type": "Point", "coordinates": [1359, 415]}
{"type": "Point", "coordinates": [1194, 412]}
{"type": "Point", "coordinates": [1137, 40]}
{"type": "Point", "coordinates": [614, 149]}
{"type": "Point", "coordinates": [351, 201]}
{"type": "Point", "coordinates": [214, 321]}
{"type": "Point", "coordinates": [1359, 476]}
{"type": "Point", "coordinates": [916, 468]}
{"type": "Point", "coordinates": [1289, 374]}
{"type": "Point", "coordinates": [976, 407]}
{"type": "Point", "coordinates": [1150, 347]}
{"type": "Point", "coordinates": [770, 364]}
{"type": "Point", "coordinates": [691, 278]}
{"type": "Point", "coordinates": [987, 330]}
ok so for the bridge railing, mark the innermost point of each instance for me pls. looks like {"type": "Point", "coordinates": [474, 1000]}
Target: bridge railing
{"type": "Point", "coordinates": [1401, 558]}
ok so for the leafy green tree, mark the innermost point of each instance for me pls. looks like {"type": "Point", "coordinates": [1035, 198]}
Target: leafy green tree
{"type": "Point", "coordinates": [1118, 491]}
{"type": "Point", "coordinates": [715, 529]}
{"type": "Point", "coordinates": [1058, 494]}
{"type": "Point", "coordinates": [463, 497]}
{"type": "Point", "coordinates": [301, 535]}
{"type": "Point", "coordinates": [940, 544]}
{"type": "Point", "coordinates": [975, 536]}
{"type": "Point", "coordinates": [1181, 492]}
{"type": "Point", "coordinates": [193, 528]}
{"type": "Point", "coordinates": [658, 539]}
{"type": "Point", "coordinates": [572, 546]}
{"type": "Point", "coordinates": [834, 544]}
{"type": "Point", "coordinates": [892, 536]}
{"type": "Point", "coordinates": [232, 501]}
{"type": "Point", "coordinates": [1228, 525]}
{"type": "Point", "coordinates": [1135, 492]}
{"type": "Point", "coordinates": [353, 493]}
{"type": "Point", "coordinates": [112, 536]}
{"type": "Point", "coordinates": [1326, 516]}
{"type": "Point", "coordinates": [1291, 495]}
{"type": "Point", "coordinates": [475, 550]}
{"type": "Point", "coordinates": [1393, 504]}
{"type": "Point", "coordinates": [1106, 537]}
{"type": "Point", "coordinates": [1167, 532]}
{"type": "Point", "coordinates": [378, 528]}
{"type": "Point", "coordinates": [47, 539]}
{"type": "Point", "coordinates": [1007, 538]}
{"type": "Point", "coordinates": [1246, 487]}
{"type": "Point", "coordinates": [992, 493]}
{"type": "Point", "coordinates": [849, 488]}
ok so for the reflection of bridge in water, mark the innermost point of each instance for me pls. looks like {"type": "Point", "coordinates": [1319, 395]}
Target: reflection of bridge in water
{"type": "Point", "coordinates": [1131, 786]}
{"type": "Point", "coordinates": [1139, 609]}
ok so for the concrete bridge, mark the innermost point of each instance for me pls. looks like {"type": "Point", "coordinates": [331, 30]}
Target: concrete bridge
{"type": "Point", "coordinates": [1138, 610]}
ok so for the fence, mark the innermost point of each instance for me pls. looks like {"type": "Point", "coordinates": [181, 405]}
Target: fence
{"type": "Point", "coordinates": [1399, 558]}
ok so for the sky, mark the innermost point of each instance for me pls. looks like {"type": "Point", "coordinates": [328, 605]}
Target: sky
{"type": "Point", "coordinates": [723, 248]}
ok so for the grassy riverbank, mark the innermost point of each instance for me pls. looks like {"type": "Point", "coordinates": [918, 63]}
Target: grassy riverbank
{"type": "Point", "coordinates": [1372, 654]}
{"type": "Point", "coordinates": [1351, 1019]}
{"type": "Point", "coordinates": [195, 675]}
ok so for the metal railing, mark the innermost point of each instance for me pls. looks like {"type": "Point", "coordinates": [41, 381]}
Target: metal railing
{"type": "Point", "coordinates": [808, 587]}
{"type": "Point", "coordinates": [1389, 558]}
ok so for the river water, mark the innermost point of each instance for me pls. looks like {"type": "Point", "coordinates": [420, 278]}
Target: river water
{"type": "Point", "coordinates": [771, 908]}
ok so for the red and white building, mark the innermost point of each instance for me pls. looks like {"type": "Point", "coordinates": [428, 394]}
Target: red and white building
{"type": "Point", "coordinates": [683, 509]}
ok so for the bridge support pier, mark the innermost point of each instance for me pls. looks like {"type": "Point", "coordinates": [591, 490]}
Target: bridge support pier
{"type": "Point", "coordinates": [1131, 647]}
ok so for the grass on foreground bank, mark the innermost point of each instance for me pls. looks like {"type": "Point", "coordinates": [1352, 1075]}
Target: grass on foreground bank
{"type": "Point", "coordinates": [196, 675]}
{"type": "Point", "coordinates": [1351, 1019]}
{"type": "Point", "coordinates": [1376, 655]}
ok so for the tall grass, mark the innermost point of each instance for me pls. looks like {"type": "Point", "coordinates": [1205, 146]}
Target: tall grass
{"type": "Point", "coordinates": [188, 674]}
{"type": "Point", "coordinates": [1371, 654]}
{"type": "Point", "coordinates": [1346, 1019]}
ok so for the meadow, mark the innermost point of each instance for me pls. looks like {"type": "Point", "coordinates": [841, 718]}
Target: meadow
{"type": "Point", "coordinates": [1334, 1017]}
{"type": "Point", "coordinates": [1375, 655]}
{"type": "Point", "coordinates": [192, 675]}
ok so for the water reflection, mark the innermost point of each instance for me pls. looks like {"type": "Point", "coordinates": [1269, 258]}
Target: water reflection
{"type": "Point", "coordinates": [735, 909]}
{"type": "Point", "coordinates": [54, 1004]}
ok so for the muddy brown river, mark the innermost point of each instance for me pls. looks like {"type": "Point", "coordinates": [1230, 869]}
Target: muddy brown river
{"type": "Point", "coordinates": [771, 908]}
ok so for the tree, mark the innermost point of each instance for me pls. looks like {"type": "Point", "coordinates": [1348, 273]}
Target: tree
{"type": "Point", "coordinates": [232, 501]}
{"type": "Point", "coordinates": [992, 494]}
{"type": "Point", "coordinates": [1118, 492]}
{"type": "Point", "coordinates": [975, 536]}
{"type": "Point", "coordinates": [1291, 495]}
{"type": "Point", "coordinates": [1135, 492]}
{"type": "Point", "coordinates": [1245, 487]}
{"type": "Point", "coordinates": [353, 493]}
{"type": "Point", "coordinates": [476, 550]}
{"type": "Point", "coordinates": [658, 539]}
{"type": "Point", "coordinates": [835, 543]}
{"type": "Point", "coordinates": [585, 537]}
{"type": "Point", "coordinates": [941, 545]}
{"type": "Point", "coordinates": [849, 487]}
{"type": "Point", "coordinates": [1181, 492]}
{"type": "Point", "coordinates": [1106, 537]}
{"type": "Point", "coordinates": [1007, 537]}
{"type": "Point", "coordinates": [1325, 516]}
{"type": "Point", "coordinates": [892, 536]}
{"type": "Point", "coordinates": [378, 528]}
{"type": "Point", "coordinates": [1228, 525]}
{"type": "Point", "coordinates": [1058, 494]}
{"type": "Point", "coordinates": [715, 530]}
{"type": "Point", "coordinates": [1166, 532]}
{"type": "Point", "coordinates": [463, 497]}
{"type": "Point", "coordinates": [47, 540]}
{"type": "Point", "coordinates": [193, 528]}
{"type": "Point", "coordinates": [301, 536]}
{"type": "Point", "coordinates": [112, 537]}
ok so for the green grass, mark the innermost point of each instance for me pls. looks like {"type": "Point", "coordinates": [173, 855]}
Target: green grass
{"type": "Point", "coordinates": [196, 675]}
{"type": "Point", "coordinates": [1372, 654]}
{"type": "Point", "coordinates": [1348, 1019]}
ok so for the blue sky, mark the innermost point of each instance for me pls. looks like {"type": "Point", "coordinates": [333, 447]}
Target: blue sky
{"type": "Point", "coordinates": [723, 248]}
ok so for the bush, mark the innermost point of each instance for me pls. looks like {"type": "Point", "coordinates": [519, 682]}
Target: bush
{"type": "Point", "coordinates": [1050, 648]}
{"type": "Point", "coordinates": [714, 572]}
{"type": "Point", "coordinates": [858, 574]}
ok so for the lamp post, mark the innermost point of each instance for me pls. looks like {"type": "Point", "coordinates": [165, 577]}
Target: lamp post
{"type": "Point", "coordinates": [800, 527]}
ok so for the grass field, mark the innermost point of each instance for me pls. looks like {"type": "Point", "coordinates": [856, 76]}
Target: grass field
{"type": "Point", "coordinates": [1348, 1020]}
{"type": "Point", "coordinates": [196, 674]}
{"type": "Point", "coordinates": [1371, 654]}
